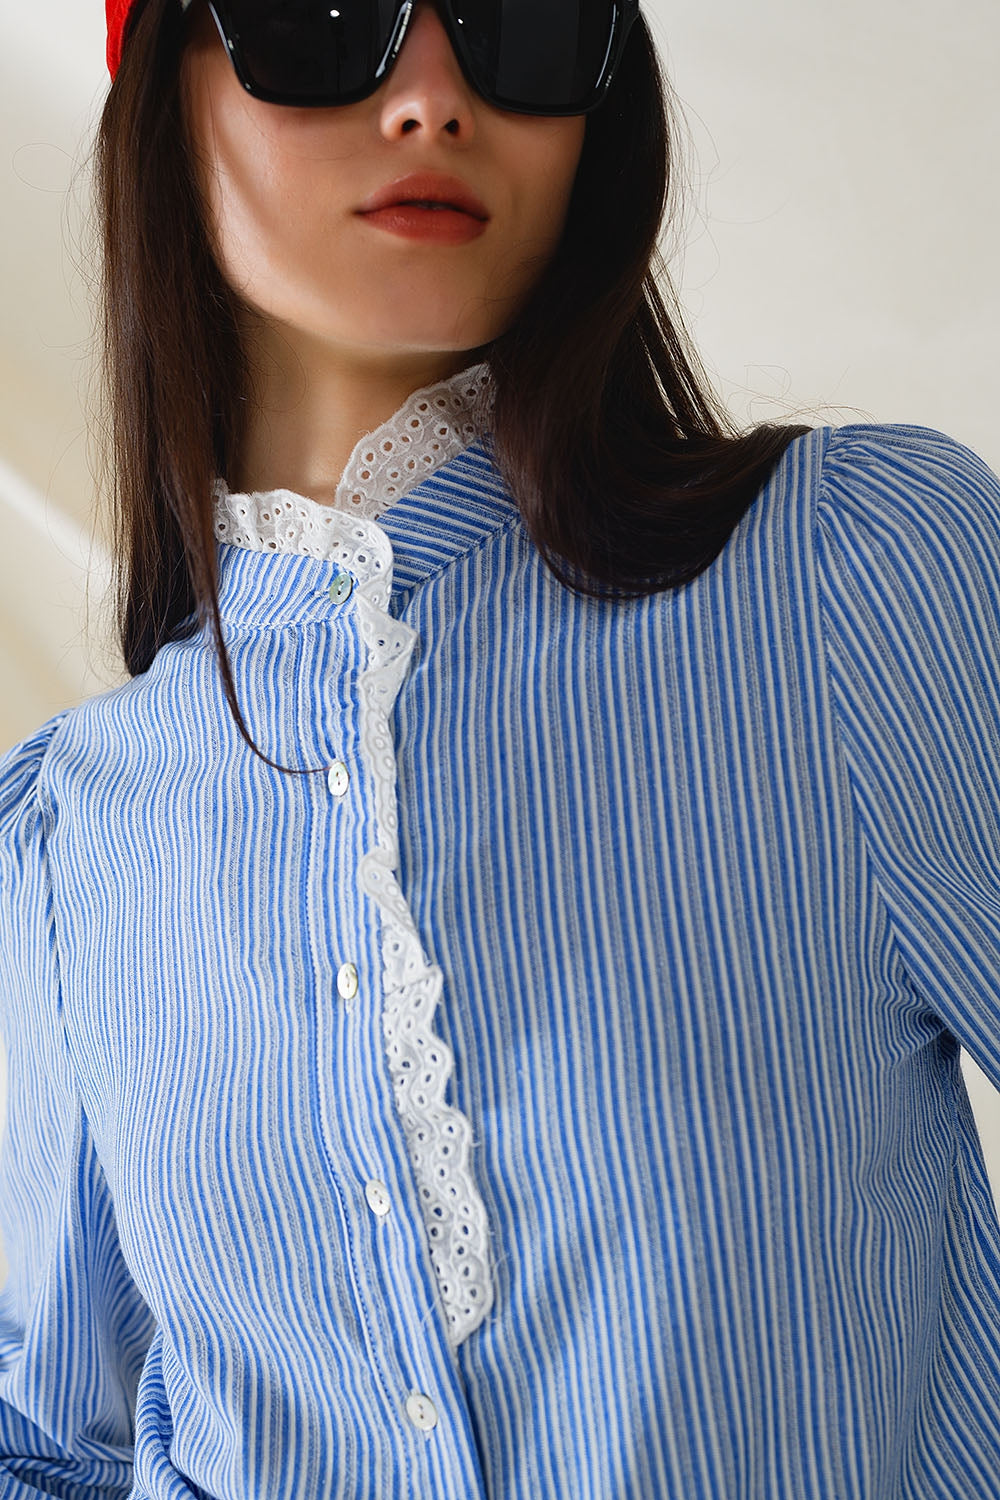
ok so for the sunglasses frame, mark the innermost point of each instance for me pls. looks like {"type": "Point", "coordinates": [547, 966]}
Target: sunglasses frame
{"type": "Point", "coordinates": [623, 14]}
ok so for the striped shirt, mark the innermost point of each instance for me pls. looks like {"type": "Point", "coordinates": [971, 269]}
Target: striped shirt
{"type": "Point", "coordinates": [557, 1092]}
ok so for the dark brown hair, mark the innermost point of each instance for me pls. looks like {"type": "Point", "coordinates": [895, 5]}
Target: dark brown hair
{"type": "Point", "coordinates": [627, 473]}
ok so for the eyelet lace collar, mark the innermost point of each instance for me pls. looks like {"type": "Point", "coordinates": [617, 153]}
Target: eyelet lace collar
{"type": "Point", "coordinates": [432, 427]}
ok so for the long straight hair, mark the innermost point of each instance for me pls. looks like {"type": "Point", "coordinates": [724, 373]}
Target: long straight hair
{"type": "Point", "coordinates": [627, 473]}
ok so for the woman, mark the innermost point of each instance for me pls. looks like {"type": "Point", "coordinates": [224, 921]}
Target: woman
{"type": "Point", "coordinates": [483, 1002]}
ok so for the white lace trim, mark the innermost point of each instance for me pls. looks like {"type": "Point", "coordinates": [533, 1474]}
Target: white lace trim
{"type": "Point", "coordinates": [432, 426]}
{"type": "Point", "coordinates": [439, 1136]}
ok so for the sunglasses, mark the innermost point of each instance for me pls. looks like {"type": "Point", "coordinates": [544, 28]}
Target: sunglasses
{"type": "Point", "coordinates": [536, 57]}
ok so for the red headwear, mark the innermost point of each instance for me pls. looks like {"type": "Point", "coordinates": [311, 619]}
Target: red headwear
{"type": "Point", "coordinates": [118, 14]}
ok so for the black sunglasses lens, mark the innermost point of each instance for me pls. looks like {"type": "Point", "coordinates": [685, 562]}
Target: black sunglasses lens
{"type": "Point", "coordinates": [532, 55]}
{"type": "Point", "coordinates": [312, 50]}
{"type": "Point", "coordinates": [536, 54]}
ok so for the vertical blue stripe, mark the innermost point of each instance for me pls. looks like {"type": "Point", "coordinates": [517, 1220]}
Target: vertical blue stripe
{"type": "Point", "coordinates": [711, 880]}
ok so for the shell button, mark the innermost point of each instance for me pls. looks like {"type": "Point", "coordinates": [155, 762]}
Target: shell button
{"type": "Point", "coordinates": [347, 981]}
{"type": "Point", "coordinates": [338, 778]}
{"type": "Point", "coordinates": [341, 587]}
{"type": "Point", "coordinates": [422, 1412]}
{"type": "Point", "coordinates": [378, 1198]}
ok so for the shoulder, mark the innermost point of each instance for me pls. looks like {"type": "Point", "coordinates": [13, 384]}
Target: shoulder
{"type": "Point", "coordinates": [905, 481]}
{"type": "Point", "coordinates": [889, 511]}
{"type": "Point", "coordinates": [25, 938]}
{"type": "Point", "coordinates": [907, 560]}
{"type": "Point", "coordinates": [21, 774]}
{"type": "Point", "coordinates": [36, 772]}
{"type": "Point", "coordinates": [908, 516]}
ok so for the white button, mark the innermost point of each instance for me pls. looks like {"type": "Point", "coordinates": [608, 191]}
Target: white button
{"type": "Point", "coordinates": [347, 981]}
{"type": "Point", "coordinates": [337, 778]}
{"type": "Point", "coordinates": [421, 1412]}
{"type": "Point", "coordinates": [378, 1197]}
{"type": "Point", "coordinates": [340, 588]}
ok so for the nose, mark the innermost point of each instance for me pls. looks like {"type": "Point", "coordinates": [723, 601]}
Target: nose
{"type": "Point", "coordinates": [426, 90]}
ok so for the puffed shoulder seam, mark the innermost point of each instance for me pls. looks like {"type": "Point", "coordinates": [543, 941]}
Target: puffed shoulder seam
{"type": "Point", "coordinates": [883, 452]}
{"type": "Point", "coordinates": [22, 770]}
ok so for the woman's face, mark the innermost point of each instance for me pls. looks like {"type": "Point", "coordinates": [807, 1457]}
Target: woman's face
{"type": "Point", "coordinates": [286, 189]}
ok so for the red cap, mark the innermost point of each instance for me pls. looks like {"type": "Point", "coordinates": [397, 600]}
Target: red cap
{"type": "Point", "coordinates": [118, 14]}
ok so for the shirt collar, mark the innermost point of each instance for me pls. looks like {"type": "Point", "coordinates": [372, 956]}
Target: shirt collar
{"type": "Point", "coordinates": [452, 512]}
{"type": "Point", "coordinates": [431, 427]}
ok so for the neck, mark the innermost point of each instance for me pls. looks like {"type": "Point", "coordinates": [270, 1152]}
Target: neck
{"type": "Point", "coordinates": [314, 405]}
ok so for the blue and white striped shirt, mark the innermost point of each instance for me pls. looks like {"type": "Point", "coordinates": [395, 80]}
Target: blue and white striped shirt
{"type": "Point", "coordinates": [561, 1096]}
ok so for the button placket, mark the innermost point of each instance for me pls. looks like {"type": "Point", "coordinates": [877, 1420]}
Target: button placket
{"type": "Point", "coordinates": [338, 778]}
{"type": "Point", "coordinates": [347, 601]}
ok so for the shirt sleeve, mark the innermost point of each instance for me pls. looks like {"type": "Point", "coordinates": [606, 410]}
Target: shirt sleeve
{"type": "Point", "coordinates": [908, 536]}
{"type": "Point", "coordinates": [73, 1328]}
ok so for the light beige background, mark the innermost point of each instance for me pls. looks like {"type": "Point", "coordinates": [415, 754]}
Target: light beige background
{"type": "Point", "coordinates": [836, 250]}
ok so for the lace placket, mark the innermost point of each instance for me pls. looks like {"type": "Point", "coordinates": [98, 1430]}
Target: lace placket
{"type": "Point", "coordinates": [434, 425]}
{"type": "Point", "coordinates": [421, 1063]}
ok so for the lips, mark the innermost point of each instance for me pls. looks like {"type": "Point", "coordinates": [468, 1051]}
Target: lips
{"type": "Point", "coordinates": [427, 189]}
